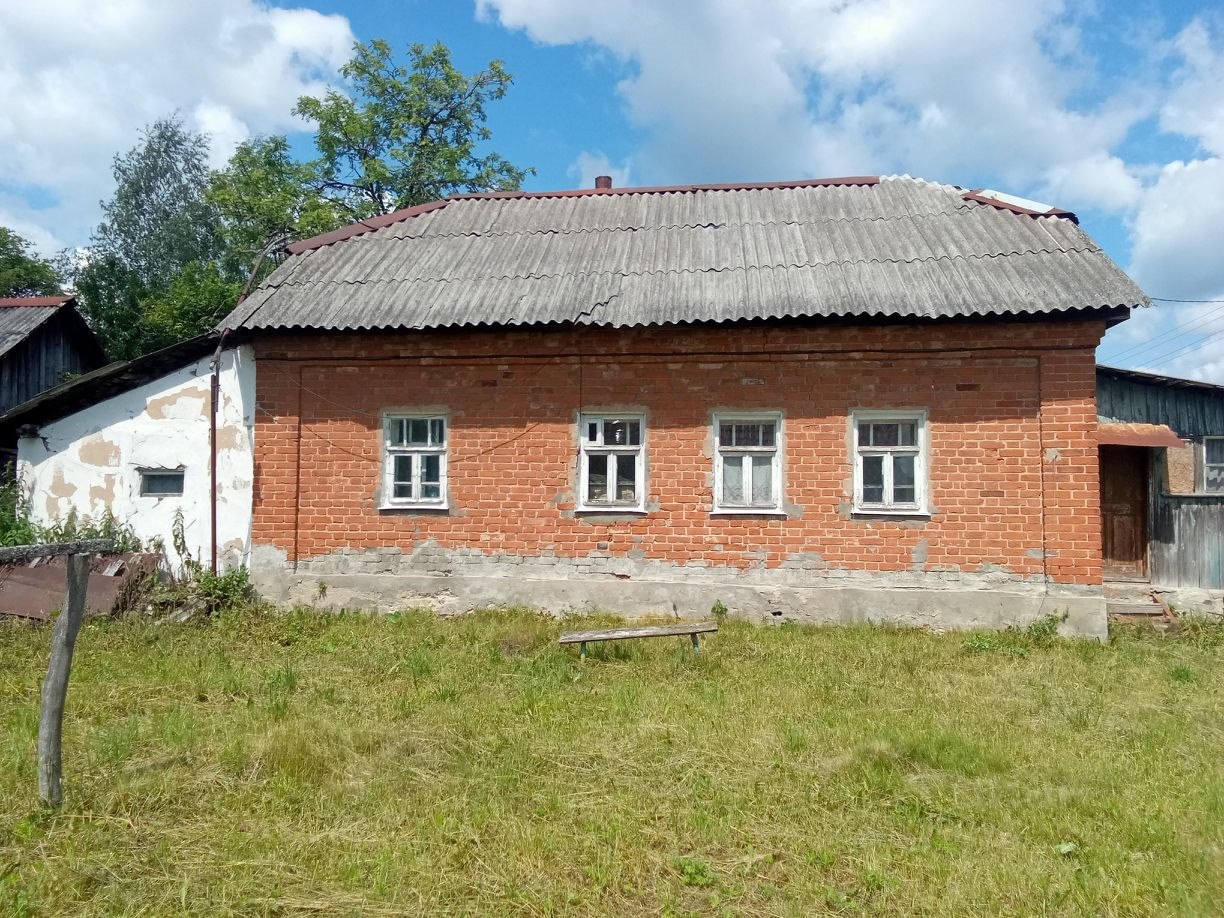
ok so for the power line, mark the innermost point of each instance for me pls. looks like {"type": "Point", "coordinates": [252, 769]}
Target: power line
{"type": "Point", "coordinates": [1165, 299]}
{"type": "Point", "coordinates": [1167, 336]}
{"type": "Point", "coordinates": [1189, 349]}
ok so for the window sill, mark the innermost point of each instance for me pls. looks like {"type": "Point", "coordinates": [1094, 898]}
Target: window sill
{"type": "Point", "coordinates": [886, 512]}
{"type": "Point", "coordinates": [749, 511]}
{"type": "Point", "coordinates": [414, 508]}
{"type": "Point", "coordinates": [638, 511]}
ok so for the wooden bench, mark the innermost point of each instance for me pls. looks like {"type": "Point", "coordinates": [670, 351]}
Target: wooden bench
{"type": "Point", "coordinates": [692, 629]}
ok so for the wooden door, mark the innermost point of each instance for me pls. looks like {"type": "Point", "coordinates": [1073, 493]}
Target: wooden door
{"type": "Point", "coordinates": [1124, 484]}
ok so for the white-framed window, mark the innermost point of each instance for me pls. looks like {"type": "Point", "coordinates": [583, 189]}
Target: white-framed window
{"type": "Point", "coordinates": [747, 462]}
{"type": "Point", "coordinates": [890, 461]}
{"type": "Point", "coordinates": [414, 460]}
{"type": "Point", "coordinates": [612, 462]}
{"type": "Point", "coordinates": [1213, 465]}
{"type": "Point", "coordinates": [162, 482]}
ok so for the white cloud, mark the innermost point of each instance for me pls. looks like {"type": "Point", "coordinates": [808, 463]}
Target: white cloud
{"type": "Point", "coordinates": [787, 88]}
{"type": "Point", "coordinates": [1177, 231]}
{"type": "Point", "coordinates": [79, 78]}
{"type": "Point", "coordinates": [587, 165]}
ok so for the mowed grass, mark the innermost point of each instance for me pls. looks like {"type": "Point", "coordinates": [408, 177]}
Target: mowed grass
{"type": "Point", "coordinates": [315, 764]}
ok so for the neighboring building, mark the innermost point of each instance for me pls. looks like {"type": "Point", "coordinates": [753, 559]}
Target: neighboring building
{"type": "Point", "coordinates": [43, 342]}
{"type": "Point", "coordinates": [839, 400]}
{"type": "Point", "coordinates": [1162, 481]}
{"type": "Point", "coordinates": [133, 439]}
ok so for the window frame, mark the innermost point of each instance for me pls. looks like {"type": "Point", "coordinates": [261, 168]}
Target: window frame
{"type": "Point", "coordinates": [388, 500]}
{"type": "Point", "coordinates": [920, 450]}
{"type": "Point", "coordinates": [774, 417]}
{"type": "Point", "coordinates": [1204, 465]}
{"type": "Point", "coordinates": [585, 450]}
{"type": "Point", "coordinates": [144, 472]}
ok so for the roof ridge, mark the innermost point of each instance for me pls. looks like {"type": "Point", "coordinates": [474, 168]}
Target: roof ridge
{"type": "Point", "coordinates": [20, 301]}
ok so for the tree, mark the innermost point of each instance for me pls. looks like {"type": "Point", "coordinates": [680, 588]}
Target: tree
{"type": "Point", "coordinates": [22, 273]}
{"type": "Point", "coordinates": [405, 135]}
{"type": "Point", "coordinates": [158, 223]}
{"type": "Point", "coordinates": [160, 219]}
{"type": "Point", "coordinates": [263, 195]}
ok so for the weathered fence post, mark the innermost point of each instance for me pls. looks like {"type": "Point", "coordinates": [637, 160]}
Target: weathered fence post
{"type": "Point", "coordinates": [55, 685]}
{"type": "Point", "coordinates": [63, 643]}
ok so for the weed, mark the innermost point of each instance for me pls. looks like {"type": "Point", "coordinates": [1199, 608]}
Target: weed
{"type": "Point", "coordinates": [694, 872]}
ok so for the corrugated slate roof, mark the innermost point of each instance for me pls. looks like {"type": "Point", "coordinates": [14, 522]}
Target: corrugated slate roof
{"type": "Point", "coordinates": [17, 320]}
{"type": "Point", "coordinates": [841, 247]}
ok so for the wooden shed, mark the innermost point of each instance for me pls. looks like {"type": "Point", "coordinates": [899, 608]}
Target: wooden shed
{"type": "Point", "coordinates": [43, 342]}
{"type": "Point", "coordinates": [1162, 479]}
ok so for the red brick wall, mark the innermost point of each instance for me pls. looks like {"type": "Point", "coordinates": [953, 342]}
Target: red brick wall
{"type": "Point", "coordinates": [1012, 417]}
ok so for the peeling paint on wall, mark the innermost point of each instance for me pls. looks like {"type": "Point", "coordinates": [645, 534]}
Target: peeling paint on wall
{"type": "Point", "coordinates": [92, 460]}
{"type": "Point", "coordinates": [182, 405]}
{"type": "Point", "coordinates": [99, 451]}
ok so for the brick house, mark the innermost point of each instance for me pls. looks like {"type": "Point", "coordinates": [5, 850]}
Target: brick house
{"type": "Point", "coordinates": [832, 400]}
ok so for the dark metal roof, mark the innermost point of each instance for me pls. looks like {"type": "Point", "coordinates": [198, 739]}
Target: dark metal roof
{"type": "Point", "coordinates": [103, 383]}
{"type": "Point", "coordinates": [859, 246]}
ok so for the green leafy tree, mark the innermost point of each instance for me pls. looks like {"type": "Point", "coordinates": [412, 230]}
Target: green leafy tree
{"type": "Point", "coordinates": [405, 135]}
{"type": "Point", "coordinates": [158, 223]}
{"type": "Point", "coordinates": [198, 297]}
{"type": "Point", "coordinates": [263, 195]}
{"type": "Point", "coordinates": [23, 273]}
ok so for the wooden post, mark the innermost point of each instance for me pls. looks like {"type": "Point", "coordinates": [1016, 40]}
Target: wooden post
{"type": "Point", "coordinates": [55, 685]}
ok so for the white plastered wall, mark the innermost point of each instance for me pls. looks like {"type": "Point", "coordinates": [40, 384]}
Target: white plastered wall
{"type": "Point", "coordinates": [90, 462]}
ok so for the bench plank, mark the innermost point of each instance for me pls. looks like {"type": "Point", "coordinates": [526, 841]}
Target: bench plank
{"type": "Point", "coordinates": [617, 634]}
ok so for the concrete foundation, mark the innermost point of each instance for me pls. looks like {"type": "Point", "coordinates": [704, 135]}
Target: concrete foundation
{"type": "Point", "coordinates": [1202, 603]}
{"type": "Point", "coordinates": [802, 590]}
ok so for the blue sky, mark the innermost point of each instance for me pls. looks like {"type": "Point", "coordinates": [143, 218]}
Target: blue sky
{"type": "Point", "coordinates": [1113, 110]}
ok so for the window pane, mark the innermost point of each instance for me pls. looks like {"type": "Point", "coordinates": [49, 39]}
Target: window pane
{"type": "Point", "coordinates": [402, 470]}
{"type": "Point", "coordinates": [431, 491]}
{"type": "Point", "coordinates": [884, 434]}
{"type": "Point", "coordinates": [437, 431]}
{"type": "Point", "coordinates": [626, 478]}
{"type": "Point", "coordinates": [762, 480]}
{"type": "Point", "coordinates": [909, 433]}
{"type": "Point", "coordinates": [747, 434]}
{"type": "Point", "coordinates": [160, 484]}
{"type": "Point", "coordinates": [733, 480]}
{"type": "Point", "coordinates": [592, 432]}
{"type": "Point", "coordinates": [767, 434]}
{"type": "Point", "coordinates": [622, 433]}
{"type": "Point", "coordinates": [726, 435]}
{"type": "Point", "coordinates": [418, 431]}
{"type": "Point", "coordinates": [873, 479]}
{"type": "Point", "coordinates": [1214, 450]}
{"type": "Point", "coordinates": [431, 469]}
{"type": "Point", "coordinates": [903, 479]}
{"type": "Point", "coordinates": [597, 478]}
{"type": "Point", "coordinates": [864, 434]}
{"type": "Point", "coordinates": [395, 431]}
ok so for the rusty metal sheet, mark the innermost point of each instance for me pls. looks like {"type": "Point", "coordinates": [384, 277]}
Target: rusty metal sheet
{"type": "Point", "coordinates": [36, 590]}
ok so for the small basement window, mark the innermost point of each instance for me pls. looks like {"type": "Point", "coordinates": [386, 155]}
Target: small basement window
{"type": "Point", "coordinates": [1213, 465]}
{"type": "Point", "coordinates": [612, 465]}
{"type": "Point", "coordinates": [747, 468]}
{"type": "Point", "coordinates": [414, 468]}
{"type": "Point", "coordinates": [890, 450]}
{"type": "Point", "coordinates": [161, 482]}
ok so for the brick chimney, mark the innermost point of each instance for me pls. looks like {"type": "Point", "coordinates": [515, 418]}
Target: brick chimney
{"type": "Point", "coordinates": [603, 181]}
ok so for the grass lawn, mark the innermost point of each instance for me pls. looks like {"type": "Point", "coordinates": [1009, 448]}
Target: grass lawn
{"type": "Point", "coordinates": [307, 764]}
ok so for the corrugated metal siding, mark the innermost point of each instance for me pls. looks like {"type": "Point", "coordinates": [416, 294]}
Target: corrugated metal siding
{"type": "Point", "coordinates": [1193, 413]}
{"type": "Point", "coordinates": [1186, 536]}
{"type": "Point", "coordinates": [900, 248]}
